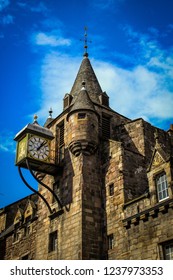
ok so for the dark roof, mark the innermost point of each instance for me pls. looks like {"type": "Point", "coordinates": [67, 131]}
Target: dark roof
{"type": "Point", "coordinates": [86, 73]}
{"type": "Point", "coordinates": [83, 102]}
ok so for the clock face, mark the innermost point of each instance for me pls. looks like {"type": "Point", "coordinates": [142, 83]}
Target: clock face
{"type": "Point", "coordinates": [38, 148]}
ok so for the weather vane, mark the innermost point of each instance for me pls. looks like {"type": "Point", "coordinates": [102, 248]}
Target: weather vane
{"type": "Point", "coordinates": [85, 40]}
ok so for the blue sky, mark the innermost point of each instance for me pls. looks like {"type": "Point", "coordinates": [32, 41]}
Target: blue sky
{"type": "Point", "coordinates": [40, 53]}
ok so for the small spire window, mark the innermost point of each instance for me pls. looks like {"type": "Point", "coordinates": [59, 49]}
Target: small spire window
{"type": "Point", "coordinates": [67, 100]}
{"type": "Point", "coordinates": [81, 116]}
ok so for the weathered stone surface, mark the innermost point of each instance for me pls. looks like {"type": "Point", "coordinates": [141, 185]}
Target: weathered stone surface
{"type": "Point", "coordinates": [107, 187]}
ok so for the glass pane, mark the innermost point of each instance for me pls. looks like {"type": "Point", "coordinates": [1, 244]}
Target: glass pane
{"type": "Point", "coordinates": [162, 187]}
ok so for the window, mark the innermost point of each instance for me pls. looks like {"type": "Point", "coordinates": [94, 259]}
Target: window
{"type": "Point", "coordinates": [168, 251]}
{"type": "Point", "coordinates": [105, 127]}
{"type": "Point", "coordinates": [67, 100]}
{"type": "Point", "coordinates": [111, 189]}
{"type": "Point", "coordinates": [28, 230]}
{"type": "Point", "coordinates": [162, 186]}
{"type": "Point", "coordinates": [28, 219]}
{"type": "Point", "coordinates": [60, 141]}
{"type": "Point", "coordinates": [104, 99]}
{"type": "Point", "coordinates": [52, 241]}
{"type": "Point", "coordinates": [110, 241]}
{"type": "Point", "coordinates": [61, 134]}
{"type": "Point", "coordinates": [81, 116]}
{"type": "Point", "coordinates": [16, 236]}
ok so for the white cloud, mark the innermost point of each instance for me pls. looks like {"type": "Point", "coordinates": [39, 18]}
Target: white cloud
{"type": "Point", "coordinates": [145, 90]}
{"type": "Point", "coordinates": [44, 39]}
{"type": "Point", "coordinates": [57, 76]}
{"type": "Point", "coordinates": [104, 5]}
{"type": "Point", "coordinates": [135, 93]}
{"type": "Point", "coordinates": [6, 142]}
{"type": "Point", "coordinates": [8, 19]}
{"type": "Point", "coordinates": [4, 4]}
{"type": "Point", "coordinates": [38, 8]}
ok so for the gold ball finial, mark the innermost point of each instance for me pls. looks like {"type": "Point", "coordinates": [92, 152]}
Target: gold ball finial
{"type": "Point", "coordinates": [35, 118]}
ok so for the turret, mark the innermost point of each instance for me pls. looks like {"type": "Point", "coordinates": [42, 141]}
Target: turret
{"type": "Point", "coordinates": [83, 125]}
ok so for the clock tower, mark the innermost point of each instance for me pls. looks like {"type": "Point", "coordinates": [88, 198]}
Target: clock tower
{"type": "Point", "coordinates": [105, 183]}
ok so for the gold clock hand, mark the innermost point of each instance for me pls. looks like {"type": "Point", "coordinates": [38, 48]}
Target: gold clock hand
{"type": "Point", "coordinates": [42, 144]}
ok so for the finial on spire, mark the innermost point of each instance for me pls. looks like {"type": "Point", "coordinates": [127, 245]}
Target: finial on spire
{"type": "Point", "coordinates": [35, 119]}
{"type": "Point", "coordinates": [85, 40]}
{"type": "Point", "coordinates": [50, 112]}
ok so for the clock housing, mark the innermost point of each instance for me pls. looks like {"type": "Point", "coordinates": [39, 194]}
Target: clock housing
{"type": "Point", "coordinates": [34, 146]}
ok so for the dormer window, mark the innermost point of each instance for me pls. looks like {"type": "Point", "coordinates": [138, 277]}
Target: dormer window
{"type": "Point", "coordinates": [162, 186]}
{"type": "Point", "coordinates": [104, 99]}
{"type": "Point", "coordinates": [67, 100]}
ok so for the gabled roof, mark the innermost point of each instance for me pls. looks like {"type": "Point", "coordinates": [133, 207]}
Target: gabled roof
{"type": "Point", "coordinates": [159, 156]}
{"type": "Point", "coordinates": [18, 216]}
{"type": "Point", "coordinates": [86, 73]}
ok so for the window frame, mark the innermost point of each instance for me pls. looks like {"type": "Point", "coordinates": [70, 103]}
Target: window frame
{"type": "Point", "coordinates": [53, 238]}
{"type": "Point", "coordinates": [170, 253]}
{"type": "Point", "coordinates": [110, 241]}
{"type": "Point", "coordinates": [161, 186]}
{"type": "Point", "coordinates": [106, 127]}
{"type": "Point", "coordinates": [60, 137]}
{"type": "Point", "coordinates": [111, 189]}
{"type": "Point", "coordinates": [81, 116]}
{"type": "Point", "coordinates": [16, 236]}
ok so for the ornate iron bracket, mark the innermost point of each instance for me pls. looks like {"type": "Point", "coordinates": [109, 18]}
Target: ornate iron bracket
{"type": "Point", "coordinates": [44, 185]}
{"type": "Point", "coordinates": [33, 190]}
{"type": "Point", "coordinates": [41, 183]}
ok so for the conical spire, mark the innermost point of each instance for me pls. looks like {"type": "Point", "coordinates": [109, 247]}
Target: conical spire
{"type": "Point", "coordinates": [86, 73]}
{"type": "Point", "coordinates": [82, 101]}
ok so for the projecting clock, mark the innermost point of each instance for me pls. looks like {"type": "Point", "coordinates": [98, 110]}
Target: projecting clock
{"type": "Point", "coordinates": [34, 149]}
{"type": "Point", "coordinates": [38, 148]}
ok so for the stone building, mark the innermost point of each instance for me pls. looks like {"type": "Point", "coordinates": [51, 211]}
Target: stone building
{"type": "Point", "coordinates": [114, 183]}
